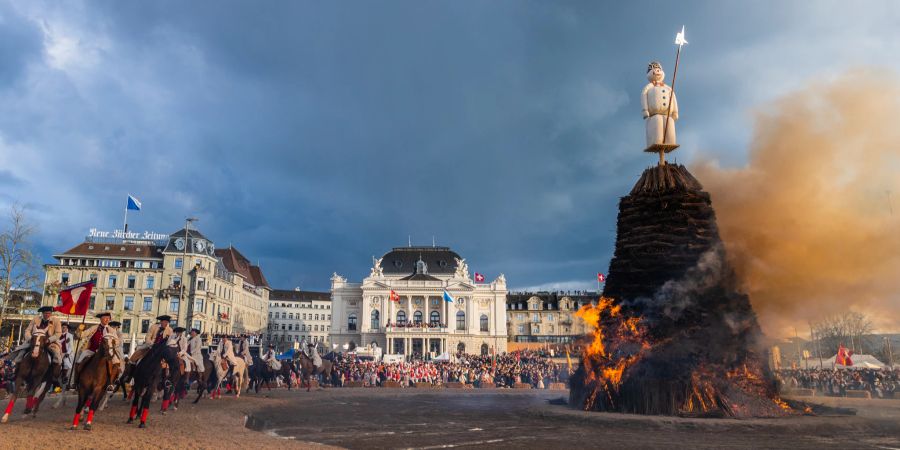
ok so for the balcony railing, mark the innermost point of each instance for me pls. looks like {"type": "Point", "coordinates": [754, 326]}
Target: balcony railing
{"type": "Point", "coordinates": [393, 329]}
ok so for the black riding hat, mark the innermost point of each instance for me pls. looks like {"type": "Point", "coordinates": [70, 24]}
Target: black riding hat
{"type": "Point", "coordinates": [195, 330]}
{"type": "Point", "coordinates": [178, 329]}
{"type": "Point", "coordinates": [115, 323]}
{"type": "Point", "coordinates": [101, 314]}
{"type": "Point", "coordinates": [167, 318]}
{"type": "Point", "coordinates": [43, 309]}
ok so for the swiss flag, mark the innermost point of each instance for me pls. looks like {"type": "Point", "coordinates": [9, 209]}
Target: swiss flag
{"type": "Point", "coordinates": [395, 297]}
{"type": "Point", "coordinates": [601, 278]}
{"type": "Point", "coordinates": [479, 278]}
{"type": "Point", "coordinates": [75, 299]}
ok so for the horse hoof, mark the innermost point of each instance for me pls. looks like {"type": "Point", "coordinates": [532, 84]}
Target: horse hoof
{"type": "Point", "coordinates": [5, 418]}
{"type": "Point", "coordinates": [130, 421]}
{"type": "Point", "coordinates": [73, 427]}
{"type": "Point", "coordinates": [87, 427]}
{"type": "Point", "coordinates": [142, 425]}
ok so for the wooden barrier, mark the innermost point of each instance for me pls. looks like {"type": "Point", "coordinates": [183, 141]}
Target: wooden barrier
{"type": "Point", "coordinates": [487, 386]}
{"type": "Point", "coordinates": [802, 392]}
{"type": "Point", "coordinates": [557, 386]}
{"type": "Point", "coordinates": [392, 384]}
{"type": "Point", "coordinates": [458, 385]}
{"type": "Point", "coordinates": [856, 393]}
{"type": "Point", "coordinates": [349, 384]}
{"type": "Point", "coordinates": [522, 386]}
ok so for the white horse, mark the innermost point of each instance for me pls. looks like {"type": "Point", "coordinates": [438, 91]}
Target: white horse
{"type": "Point", "coordinates": [240, 377]}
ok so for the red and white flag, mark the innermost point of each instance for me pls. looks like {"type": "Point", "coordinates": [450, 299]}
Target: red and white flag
{"type": "Point", "coordinates": [395, 297]}
{"type": "Point", "coordinates": [76, 299]}
{"type": "Point", "coordinates": [601, 278]}
{"type": "Point", "coordinates": [843, 356]}
{"type": "Point", "coordinates": [479, 278]}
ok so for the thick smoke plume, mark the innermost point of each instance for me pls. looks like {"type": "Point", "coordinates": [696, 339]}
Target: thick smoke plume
{"type": "Point", "coordinates": [812, 223]}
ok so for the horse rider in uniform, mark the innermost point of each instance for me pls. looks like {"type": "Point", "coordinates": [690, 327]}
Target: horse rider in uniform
{"type": "Point", "coordinates": [94, 336]}
{"type": "Point", "coordinates": [66, 347]}
{"type": "Point", "coordinates": [243, 350]}
{"type": "Point", "coordinates": [120, 344]}
{"type": "Point", "coordinates": [227, 353]}
{"type": "Point", "coordinates": [270, 359]}
{"type": "Point", "coordinates": [314, 356]}
{"type": "Point", "coordinates": [51, 327]}
{"type": "Point", "coordinates": [177, 344]}
{"type": "Point", "coordinates": [193, 352]}
{"type": "Point", "coordinates": [158, 332]}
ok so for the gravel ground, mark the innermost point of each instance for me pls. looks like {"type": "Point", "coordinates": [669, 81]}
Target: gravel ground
{"type": "Point", "coordinates": [410, 418]}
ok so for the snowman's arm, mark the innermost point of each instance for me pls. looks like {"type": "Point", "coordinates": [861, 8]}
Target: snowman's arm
{"type": "Point", "coordinates": [644, 107]}
{"type": "Point", "coordinates": [674, 113]}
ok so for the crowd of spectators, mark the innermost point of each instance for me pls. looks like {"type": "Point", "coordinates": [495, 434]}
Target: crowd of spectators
{"type": "Point", "coordinates": [881, 383]}
{"type": "Point", "coordinates": [505, 370]}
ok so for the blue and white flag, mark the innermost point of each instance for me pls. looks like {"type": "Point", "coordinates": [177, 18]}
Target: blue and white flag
{"type": "Point", "coordinates": [133, 203]}
{"type": "Point", "coordinates": [448, 298]}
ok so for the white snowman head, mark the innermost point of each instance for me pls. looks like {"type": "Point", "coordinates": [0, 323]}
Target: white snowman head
{"type": "Point", "coordinates": [655, 72]}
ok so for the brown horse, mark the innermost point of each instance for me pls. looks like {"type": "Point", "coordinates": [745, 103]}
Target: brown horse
{"type": "Point", "coordinates": [208, 380]}
{"type": "Point", "coordinates": [33, 375]}
{"type": "Point", "coordinates": [96, 377]}
{"type": "Point", "coordinates": [306, 369]}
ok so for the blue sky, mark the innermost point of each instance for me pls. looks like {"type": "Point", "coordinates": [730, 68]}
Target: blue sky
{"type": "Point", "coordinates": [314, 135]}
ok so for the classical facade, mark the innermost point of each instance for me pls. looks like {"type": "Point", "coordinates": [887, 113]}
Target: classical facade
{"type": "Point", "coordinates": [547, 316]}
{"type": "Point", "coordinates": [418, 320]}
{"type": "Point", "coordinates": [182, 275]}
{"type": "Point", "coordinates": [295, 316]}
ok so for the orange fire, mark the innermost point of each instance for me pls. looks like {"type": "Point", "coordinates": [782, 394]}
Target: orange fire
{"type": "Point", "coordinates": [620, 341]}
{"type": "Point", "coordinates": [617, 344]}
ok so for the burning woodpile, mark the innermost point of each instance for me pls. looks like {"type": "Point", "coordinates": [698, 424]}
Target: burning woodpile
{"type": "Point", "coordinates": [673, 335]}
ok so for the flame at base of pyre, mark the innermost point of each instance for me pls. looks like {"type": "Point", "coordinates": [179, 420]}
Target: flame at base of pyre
{"type": "Point", "coordinates": [625, 368]}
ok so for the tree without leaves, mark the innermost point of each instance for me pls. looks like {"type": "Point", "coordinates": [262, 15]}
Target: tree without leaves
{"type": "Point", "coordinates": [849, 329]}
{"type": "Point", "coordinates": [18, 264]}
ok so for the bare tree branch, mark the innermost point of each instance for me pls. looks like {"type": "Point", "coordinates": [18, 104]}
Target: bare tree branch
{"type": "Point", "coordinates": [19, 266]}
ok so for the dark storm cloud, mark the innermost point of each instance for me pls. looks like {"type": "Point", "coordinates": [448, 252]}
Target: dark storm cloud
{"type": "Point", "coordinates": [314, 135]}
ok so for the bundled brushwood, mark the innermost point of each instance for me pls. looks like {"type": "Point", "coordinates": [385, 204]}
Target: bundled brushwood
{"type": "Point", "coordinates": [694, 350]}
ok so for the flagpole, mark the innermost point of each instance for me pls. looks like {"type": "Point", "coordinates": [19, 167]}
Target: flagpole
{"type": "Point", "coordinates": [77, 344]}
{"type": "Point", "coordinates": [125, 226]}
{"type": "Point", "coordinates": [662, 157]}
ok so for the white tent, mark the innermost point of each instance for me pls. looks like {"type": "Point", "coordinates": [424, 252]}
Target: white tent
{"type": "Point", "coordinates": [859, 362]}
{"type": "Point", "coordinates": [442, 357]}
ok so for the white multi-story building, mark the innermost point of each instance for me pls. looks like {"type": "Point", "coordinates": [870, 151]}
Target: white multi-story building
{"type": "Point", "coordinates": [419, 321]}
{"type": "Point", "coordinates": [295, 316]}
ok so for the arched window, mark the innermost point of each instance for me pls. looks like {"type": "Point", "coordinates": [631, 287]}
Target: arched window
{"type": "Point", "coordinates": [435, 319]}
{"type": "Point", "coordinates": [460, 321]}
{"type": "Point", "coordinates": [401, 318]}
{"type": "Point", "coordinates": [484, 322]}
{"type": "Point", "coordinates": [351, 322]}
{"type": "Point", "coordinates": [484, 349]}
{"type": "Point", "coordinates": [375, 321]}
{"type": "Point", "coordinates": [417, 317]}
{"type": "Point", "coordinates": [461, 348]}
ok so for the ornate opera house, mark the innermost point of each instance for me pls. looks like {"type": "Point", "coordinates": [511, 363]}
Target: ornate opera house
{"type": "Point", "coordinates": [402, 307]}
